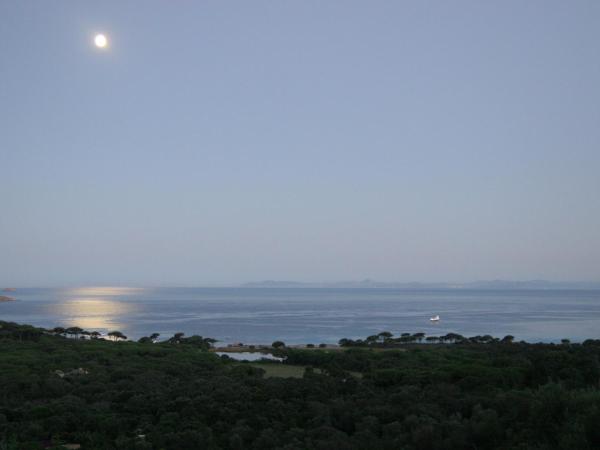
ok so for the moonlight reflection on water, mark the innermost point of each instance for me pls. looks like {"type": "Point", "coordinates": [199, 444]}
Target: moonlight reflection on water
{"type": "Point", "coordinates": [94, 313]}
{"type": "Point", "coordinates": [103, 291]}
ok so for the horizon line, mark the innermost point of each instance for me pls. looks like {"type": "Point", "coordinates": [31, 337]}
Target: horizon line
{"type": "Point", "coordinates": [344, 283]}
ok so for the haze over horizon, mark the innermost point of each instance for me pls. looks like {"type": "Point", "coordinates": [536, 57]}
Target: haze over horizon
{"type": "Point", "coordinates": [367, 282]}
{"type": "Point", "coordinates": [215, 143]}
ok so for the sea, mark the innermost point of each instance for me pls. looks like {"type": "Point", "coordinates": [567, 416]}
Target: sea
{"type": "Point", "coordinates": [310, 315]}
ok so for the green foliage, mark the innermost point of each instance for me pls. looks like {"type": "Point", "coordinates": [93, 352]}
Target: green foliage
{"type": "Point", "coordinates": [116, 335]}
{"type": "Point", "coordinates": [483, 393]}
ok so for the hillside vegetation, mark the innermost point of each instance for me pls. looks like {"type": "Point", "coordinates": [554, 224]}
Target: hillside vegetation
{"type": "Point", "coordinates": [463, 394]}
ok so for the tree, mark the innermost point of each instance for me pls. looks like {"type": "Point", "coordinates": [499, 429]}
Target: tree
{"type": "Point", "coordinates": [154, 336]}
{"type": "Point", "coordinates": [405, 338]}
{"type": "Point", "coordinates": [486, 339]}
{"type": "Point", "coordinates": [345, 342]}
{"type": "Point", "coordinates": [198, 341]}
{"type": "Point", "coordinates": [58, 330]}
{"type": "Point", "coordinates": [372, 339]}
{"type": "Point", "coordinates": [453, 337]}
{"type": "Point", "coordinates": [95, 334]}
{"type": "Point", "coordinates": [177, 338]}
{"type": "Point", "coordinates": [76, 331]}
{"type": "Point", "coordinates": [418, 336]}
{"type": "Point", "coordinates": [384, 335]}
{"type": "Point", "coordinates": [508, 339]}
{"type": "Point", "coordinates": [210, 341]}
{"type": "Point", "coordinates": [278, 344]}
{"type": "Point", "coordinates": [116, 335]}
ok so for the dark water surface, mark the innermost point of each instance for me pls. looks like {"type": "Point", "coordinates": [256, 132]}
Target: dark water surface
{"type": "Point", "coordinates": [307, 315]}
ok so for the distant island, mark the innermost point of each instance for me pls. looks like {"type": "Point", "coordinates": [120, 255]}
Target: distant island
{"type": "Point", "coordinates": [485, 284]}
{"type": "Point", "coordinates": [4, 298]}
{"type": "Point", "coordinates": [9, 289]}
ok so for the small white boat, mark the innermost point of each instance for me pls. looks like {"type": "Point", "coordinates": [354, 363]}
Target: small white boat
{"type": "Point", "coordinates": [435, 318]}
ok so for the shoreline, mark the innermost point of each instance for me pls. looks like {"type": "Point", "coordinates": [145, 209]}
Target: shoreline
{"type": "Point", "coordinates": [266, 348]}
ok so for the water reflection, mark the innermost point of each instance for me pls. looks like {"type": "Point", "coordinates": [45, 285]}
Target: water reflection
{"type": "Point", "coordinates": [95, 313]}
{"type": "Point", "coordinates": [103, 291]}
{"type": "Point", "coordinates": [250, 356]}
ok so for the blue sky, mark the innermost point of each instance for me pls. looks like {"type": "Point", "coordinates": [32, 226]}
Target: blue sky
{"type": "Point", "coordinates": [222, 142]}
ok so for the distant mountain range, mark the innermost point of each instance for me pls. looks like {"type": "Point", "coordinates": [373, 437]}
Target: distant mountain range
{"type": "Point", "coordinates": [487, 284]}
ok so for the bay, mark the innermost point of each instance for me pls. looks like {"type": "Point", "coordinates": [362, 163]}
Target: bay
{"type": "Point", "coordinates": [311, 315]}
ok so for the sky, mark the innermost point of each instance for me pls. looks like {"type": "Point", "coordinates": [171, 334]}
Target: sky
{"type": "Point", "coordinates": [222, 142]}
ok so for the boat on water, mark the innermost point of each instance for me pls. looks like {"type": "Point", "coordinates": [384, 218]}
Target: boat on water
{"type": "Point", "coordinates": [435, 318]}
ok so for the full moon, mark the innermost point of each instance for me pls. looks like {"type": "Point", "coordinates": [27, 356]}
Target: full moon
{"type": "Point", "coordinates": [100, 41]}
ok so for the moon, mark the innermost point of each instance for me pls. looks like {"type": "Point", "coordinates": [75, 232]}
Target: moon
{"type": "Point", "coordinates": [100, 41]}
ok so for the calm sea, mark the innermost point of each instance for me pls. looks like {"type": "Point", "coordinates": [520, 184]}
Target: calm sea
{"type": "Point", "coordinates": [305, 315]}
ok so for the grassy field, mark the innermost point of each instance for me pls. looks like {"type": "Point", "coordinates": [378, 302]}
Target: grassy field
{"type": "Point", "coordinates": [280, 370]}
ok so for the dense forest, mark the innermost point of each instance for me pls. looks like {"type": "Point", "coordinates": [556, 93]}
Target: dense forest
{"type": "Point", "coordinates": [59, 390]}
